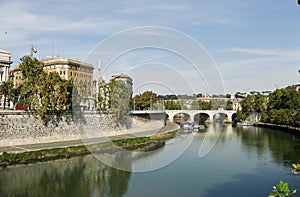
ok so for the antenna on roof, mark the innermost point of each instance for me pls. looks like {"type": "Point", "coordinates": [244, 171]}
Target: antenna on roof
{"type": "Point", "coordinates": [52, 50]}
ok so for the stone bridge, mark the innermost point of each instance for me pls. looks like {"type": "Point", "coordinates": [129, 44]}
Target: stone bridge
{"type": "Point", "coordinates": [192, 114]}
{"type": "Point", "coordinates": [189, 114]}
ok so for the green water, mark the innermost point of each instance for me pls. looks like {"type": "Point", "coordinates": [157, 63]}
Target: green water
{"type": "Point", "coordinates": [243, 162]}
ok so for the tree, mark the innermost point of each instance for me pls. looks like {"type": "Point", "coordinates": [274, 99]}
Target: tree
{"type": "Point", "coordinates": [260, 103]}
{"type": "Point", "coordinates": [239, 115]}
{"type": "Point", "coordinates": [247, 104]}
{"type": "Point", "coordinates": [229, 105]}
{"type": "Point", "coordinates": [145, 101]}
{"type": "Point", "coordinates": [120, 99]}
{"type": "Point", "coordinates": [203, 105]}
{"type": "Point", "coordinates": [45, 94]}
{"type": "Point", "coordinates": [6, 88]}
{"type": "Point", "coordinates": [102, 100]}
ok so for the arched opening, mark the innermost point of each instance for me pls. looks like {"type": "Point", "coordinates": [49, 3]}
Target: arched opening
{"type": "Point", "coordinates": [233, 117]}
{"type": "Point", "coordinates": [201, 118]}
{"type": "Point", "coordinates": [181, 117]}
{"type": "Point", "coordinates": [220, 117]}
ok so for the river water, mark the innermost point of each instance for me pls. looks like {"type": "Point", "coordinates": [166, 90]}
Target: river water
{"type": "Point", "coordinates": [237, 161]}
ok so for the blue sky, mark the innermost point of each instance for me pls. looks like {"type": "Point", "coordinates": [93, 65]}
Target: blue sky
{"type": "Point", "coordinates": [255, 44]}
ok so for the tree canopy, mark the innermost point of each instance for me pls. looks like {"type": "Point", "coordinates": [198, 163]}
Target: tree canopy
{"type": "Point", "coordinates": [145, 101]}
{"type": "Point", "coordinates": [43, 93]}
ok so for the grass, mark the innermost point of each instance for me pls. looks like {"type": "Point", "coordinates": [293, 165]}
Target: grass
{"type": "Point", "coordinates": [142, 144]}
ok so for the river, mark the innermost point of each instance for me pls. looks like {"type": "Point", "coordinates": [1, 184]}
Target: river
{"type": "Point", "coordinates": [238, 161]}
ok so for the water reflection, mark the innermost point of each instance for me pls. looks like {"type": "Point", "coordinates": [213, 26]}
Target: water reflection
{"type": "Point", "coordinates": [242, 158]}
{"type": "Point", "coordinates": [80, 176]}
{"type": "Point", "coordinates": [284, 147]}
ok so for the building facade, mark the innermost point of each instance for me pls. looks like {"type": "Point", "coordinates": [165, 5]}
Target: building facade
{"type": "Point", "coordinates": [80, 73]}
{"type": "Point", "coordinates": [5, 62]}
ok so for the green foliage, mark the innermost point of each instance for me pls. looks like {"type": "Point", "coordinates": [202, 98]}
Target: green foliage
{"type": "Point", "coordinates": [120, 99]}
{"type": "Point", "coordinates": [229, 105]}
{"type": "Point", "coordinates": [172, 105]}
{"type": "Point", "coordinates": [260, 103]}
{"type": "Point", "coordinates": [6, 89]}
{"type": "Point", "coordinates": [46, 94]}
{"type": "Point", "coordinates": [285, 99]}
{"type": "Point", "coordinates": [281, 107]}
{"type": "Point", "coordinates": [239, 115]}
{"type": "Point", "coordinates": [203, 105]}
{"type": "Point", "coordinates": [247, 104]}
{"type": "Point", "coordinates": [145, 101]}
{"type": "Point", "coordinates": [281, 190]}
{"type": "Point", "coordinates": [284, 107]}
{"type": "Point", "coordinates": [102, 100]}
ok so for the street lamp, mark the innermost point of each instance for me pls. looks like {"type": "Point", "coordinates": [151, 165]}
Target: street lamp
{"type": "Point", "coordinates": [32, 50]}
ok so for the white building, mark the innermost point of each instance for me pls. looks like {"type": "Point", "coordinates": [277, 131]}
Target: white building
{"type": "Point", "coordinates": [5, 62]}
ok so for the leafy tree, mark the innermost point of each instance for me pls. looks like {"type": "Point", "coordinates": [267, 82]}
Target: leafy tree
{"type": "Point", "coordinates": [145, 101]}
{"type": "Point", "coordinates": [120, 99]}
{"type": "Point", "coordinates": [239, 115]}
{"type": "Point", "coordinates": [284, 107]}
{"type": "Point", "coordinates": [229, 105]}
{"type": "Point", "coordinates": [6, 89]}
{"type": "Point", "coordinates": [247, 104]}
{"type": "Point", "coordinates": [172, 105]}
{"type": "Point", "coordinates": [203, 105]}
{"type": "Point", "coordinates": [102, 100]}
{"type": "Point", "coordinates": [260, 103]}
{"type": "Point", "coordinates": [44, 93]}
{"type": "Point", "coordinates": [285, 99]}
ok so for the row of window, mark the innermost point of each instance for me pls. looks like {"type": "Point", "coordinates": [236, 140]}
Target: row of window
{"type": "Point", "coordinates": [71, 67]}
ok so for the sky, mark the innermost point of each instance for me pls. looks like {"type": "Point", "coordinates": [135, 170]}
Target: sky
{"type": "Point", "coordinates": [249, 45]}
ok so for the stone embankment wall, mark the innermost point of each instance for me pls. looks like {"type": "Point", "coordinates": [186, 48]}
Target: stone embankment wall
{"type": "Point", "coordinates": [24, 128]}
{"type": "Point", "coordinates": [20, 127]}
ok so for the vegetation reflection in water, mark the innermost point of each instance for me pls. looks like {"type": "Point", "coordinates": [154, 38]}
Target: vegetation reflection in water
{"type": "Point", "coordinates": [244, 162]}
{"type": "Point", "coordinates": [79, 176]}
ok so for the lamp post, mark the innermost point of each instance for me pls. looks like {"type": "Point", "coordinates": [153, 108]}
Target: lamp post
{"type": "Point", "coordinates": [32, 50]}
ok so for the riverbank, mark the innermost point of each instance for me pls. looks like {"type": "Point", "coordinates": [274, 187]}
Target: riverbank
{"type": "Point", "coordinates": [140, 144]}
{"type": "Point", "coordinates": [280, 127]}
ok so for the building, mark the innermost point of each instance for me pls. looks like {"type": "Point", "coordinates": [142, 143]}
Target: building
{"type": "Point", "coordinates": [80, 73]}
{"type": "Point", "coordinates": [5, 62]}
{"type": "Point", "coordinates": [16, 76]}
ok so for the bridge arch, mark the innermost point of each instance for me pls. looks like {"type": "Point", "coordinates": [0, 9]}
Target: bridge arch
{"type": "Point", "coordinates": [233, 116]}
{"type": "Point", "coordinates": [201, 117]}
{"type": "Point", "coordinates": [220, 117]}
{"type": "Point", "coordinates": [193, 114]}
{"type": "Point", "coordinates": [181, 117]}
